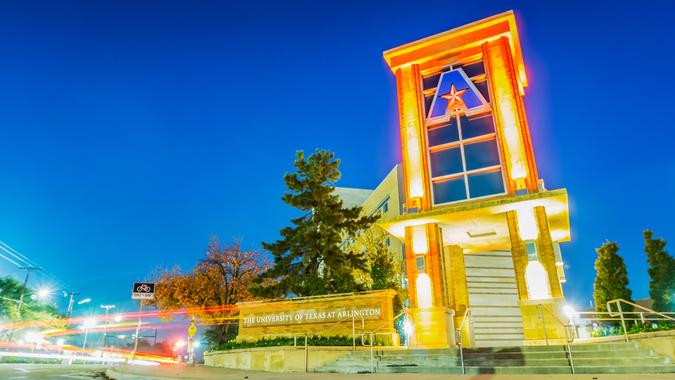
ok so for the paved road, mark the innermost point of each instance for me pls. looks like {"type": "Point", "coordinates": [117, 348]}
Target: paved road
{"type": "Point", "coordinates": [50, 371]}
{"type": "Point", "coordinates": [166, 372]}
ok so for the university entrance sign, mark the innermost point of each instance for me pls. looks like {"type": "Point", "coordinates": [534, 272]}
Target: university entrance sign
{"type": "Point", "coordinates": [313, 316]}
{"type": "Point", "coordinates": [329, 315]}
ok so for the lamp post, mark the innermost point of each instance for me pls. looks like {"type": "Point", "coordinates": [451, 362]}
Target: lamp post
{"type": "Point", "coordinates": [107, 309]}
{"type": "Point", "coordinates": [70, 302]}
{"type": "Point", "coordinates": [88, 324]}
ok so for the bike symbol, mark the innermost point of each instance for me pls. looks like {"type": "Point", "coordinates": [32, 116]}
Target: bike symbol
{"type": "Point", "coordinates": [143, 288]}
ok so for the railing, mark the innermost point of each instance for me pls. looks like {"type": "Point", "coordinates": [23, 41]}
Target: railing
{"type": "Point", "coordinates": [542, 310]}
{"type": "Point", "coordinates": [620, 313]}
{"type": "Point", "coordinates": [372, 334]}
{"type": "Point", "coordinates": [616, 314]}
{"type": "Point", "coordinates": [304, 336]}
{"type": "Point", "coordinates": [566, 326]}
{"type": "Point", "coordinates": [465, 319]}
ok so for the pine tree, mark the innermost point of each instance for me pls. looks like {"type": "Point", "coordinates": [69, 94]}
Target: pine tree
{"type": "Point", "coordinates": [611, 279]}
{"type": "Point", "coordinates": [309, 259]}
{"type": "Point", "coordinates": [661, 271]}
{"type": "Point", "coordinates": [383, 266]}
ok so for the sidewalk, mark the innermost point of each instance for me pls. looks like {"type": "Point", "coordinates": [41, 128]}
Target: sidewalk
{"type": "Point", "coordinates": [165, 372]}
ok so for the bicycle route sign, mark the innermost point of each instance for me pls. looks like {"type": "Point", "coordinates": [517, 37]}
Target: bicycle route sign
{"type": "Point", "coordinates": [143, 291]}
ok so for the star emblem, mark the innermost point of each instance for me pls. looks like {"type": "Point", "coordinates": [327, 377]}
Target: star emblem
{"type": "Point", "coordinates": [454, 99]}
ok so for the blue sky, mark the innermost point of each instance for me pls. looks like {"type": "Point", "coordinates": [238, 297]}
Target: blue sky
{"type": "Point", "coordinates": [132, 131]}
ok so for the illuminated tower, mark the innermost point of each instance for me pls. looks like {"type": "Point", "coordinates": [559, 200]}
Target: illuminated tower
{"type": "Point", "coordinates": [480, 230]}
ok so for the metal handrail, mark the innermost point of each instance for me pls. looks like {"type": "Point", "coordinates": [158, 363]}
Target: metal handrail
{"type": "Point", "coordinates": [372, 338]}
{"type": "Point", "coordinates": [467, 315]}
{"type": "Point", "coordinates": [620, 313]}
{"type": "Point", "coordinates": [566, 326]}
{"type": "Point", "coordinates": [648, 310]}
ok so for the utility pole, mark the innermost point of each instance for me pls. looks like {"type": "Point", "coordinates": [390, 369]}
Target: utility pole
{"type": "Point", "coordinates": [23, 288]}
{"type": "Point", "coordinates": [23, 292]}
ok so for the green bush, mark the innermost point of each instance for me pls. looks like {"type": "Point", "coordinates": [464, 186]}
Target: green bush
{"type": "Point", "coordinates": [338, 340]}
{"type": "Point", "coordinates": [649, 327]}
{"type": "Point", "coordinates": [612, 329]}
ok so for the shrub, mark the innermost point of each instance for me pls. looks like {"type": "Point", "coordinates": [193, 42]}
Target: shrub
{"type": "Point", "coordinates": [338, 340]}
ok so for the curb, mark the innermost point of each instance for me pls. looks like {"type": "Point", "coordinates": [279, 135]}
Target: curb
{"type": "Point", "coordinates": [118, 375]}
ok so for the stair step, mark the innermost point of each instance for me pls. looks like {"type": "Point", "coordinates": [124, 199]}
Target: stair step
{"type": "Point", "coordinates": [509, 370]}
{"type": "Point", "coordinates": [509, 359]}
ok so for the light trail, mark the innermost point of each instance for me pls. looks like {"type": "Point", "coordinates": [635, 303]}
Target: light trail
{"type": "Point", "coordinates": [203, 312]}
{"type": "Point", "coordinates": [35, 341]}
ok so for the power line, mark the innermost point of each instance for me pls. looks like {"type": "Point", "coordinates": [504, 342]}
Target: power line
{"type": "Point", "coordinates": [18, 255]}
{"type": "Point", "coordinates": [21, 260]}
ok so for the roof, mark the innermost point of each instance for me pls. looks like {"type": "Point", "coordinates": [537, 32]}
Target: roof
{"type": "Point", "coordinates": [352, 197]}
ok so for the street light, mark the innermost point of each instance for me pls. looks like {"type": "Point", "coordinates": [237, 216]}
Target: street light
{"type": "Point", "coordinates": [107, 309]}
{"type": "Point", "coordinates": [43, 293]}
{"type": "Point", "coordinates": [180, 343]}
{"type": "Point", "coordinates": [88, 324]}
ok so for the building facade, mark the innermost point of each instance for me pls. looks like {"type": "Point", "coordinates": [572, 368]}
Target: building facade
{"type": "Point", "coordinates": [478, 230]}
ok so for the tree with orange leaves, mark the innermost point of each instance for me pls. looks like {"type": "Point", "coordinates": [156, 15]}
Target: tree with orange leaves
{"type": "Point", "coordinates": [220, 280]}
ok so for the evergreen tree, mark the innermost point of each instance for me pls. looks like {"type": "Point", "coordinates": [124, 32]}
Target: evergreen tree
{"type": "Point", "coordinates": [662, 273]}
{"type": "Point", "coordinates": [309, 259]}
{"type": "Point", "coordinates": [611, 279]}
{"type": "Point", "coordinates": [383, 267]}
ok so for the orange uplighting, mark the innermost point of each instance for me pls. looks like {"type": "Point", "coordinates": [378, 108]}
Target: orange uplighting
{"type": "Point", "coordinates": [424, 295]}
{"type": "Point", "coordinates": [411, 130]}
{"type": "Point", "coordinates": [506, 107]}
{"type": "Point", "coordinates": [419, 240]}
{"type": "Point", "coordinates": [527, 224]}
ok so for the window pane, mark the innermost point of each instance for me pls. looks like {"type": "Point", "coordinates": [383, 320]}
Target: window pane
{"type": "Point", "coordinates": [483, 88]}
{"type": "Point", "coordinates": [484, 184]}
{"type": "Point", "coordinates": [449, 191]}
{"type": "Point", "coordinates": [430, 82]}
{"type": "Point", "coordinates": [446, 162]}
{"type": "Point", "coordinates": [477, 126]}
{"type": "Point", "coordinates": [481, 155]}
{"type": "Point", "coordinates": [443, 135]}
{"type": "Point", "coordinates": [474, 69]}
{"type": "Point", "coordinates": [427, 103]}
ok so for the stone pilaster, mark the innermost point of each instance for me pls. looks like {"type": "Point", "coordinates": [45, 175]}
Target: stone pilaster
{"type": "Point", "coordinates": [546, 253]}
{"type": "Point", "coordinates": [518, 253]}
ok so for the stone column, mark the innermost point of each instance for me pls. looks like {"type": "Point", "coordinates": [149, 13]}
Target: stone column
{"type": "Point", "coordinates": [545, 252]}
{"type": "Point", "coordinates": [510, 120]}
{"type": "Point", "coordinates": [519, 254]}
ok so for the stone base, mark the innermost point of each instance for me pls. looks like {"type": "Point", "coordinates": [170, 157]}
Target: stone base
{"type": "Point", "coordinates": [275, 359]}
{"type": "Point", "coordinates": [550, 315]}
{"type": "Point", "coordinates": [432, 327]}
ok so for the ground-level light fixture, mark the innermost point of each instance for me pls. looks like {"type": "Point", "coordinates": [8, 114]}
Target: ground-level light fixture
{"type": "Point", "coordinates": [569, 312]}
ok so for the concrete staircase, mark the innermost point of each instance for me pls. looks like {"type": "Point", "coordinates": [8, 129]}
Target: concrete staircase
{"type": "Point", "coordinates": [496, 320]}
{"type": "Point", "coordinates": [590, 358]}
